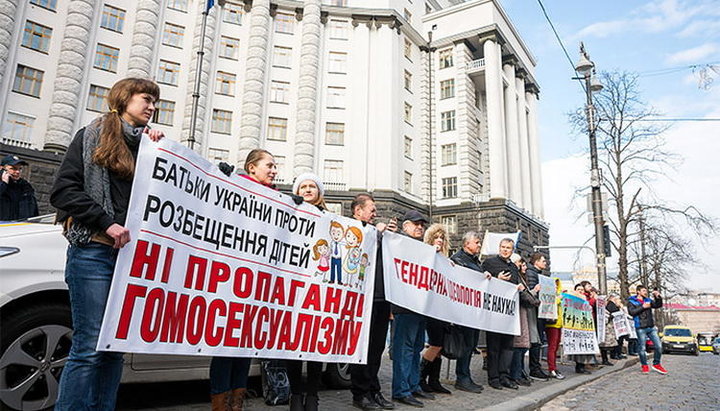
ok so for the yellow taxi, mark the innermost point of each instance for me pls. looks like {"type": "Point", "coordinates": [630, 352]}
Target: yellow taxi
{"type": "Point", "coordinates": [705, 341]}
{"type": "Point", "coordinates": [677, 338]}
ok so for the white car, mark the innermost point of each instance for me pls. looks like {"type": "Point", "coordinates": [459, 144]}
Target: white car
{"type": "Point", "coordinates": [36, 323]}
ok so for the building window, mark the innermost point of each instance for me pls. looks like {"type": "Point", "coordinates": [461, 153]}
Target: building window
{"type": "Point", "coordinates": [335, 208]}
{"type": "Point", "coordinates": [447, 88]}
{"type": "Point", "coordinates": [407, 115]}
{"type": "Point", "coordinates": [216, 155]}
{"type": "Point", "coordinates": [221, 121]}
{"type": "Point", "coordinates": [333, 171]}
{"type": "Point", "coordinates": [277, 129]}
{"type": "Point", "coordinates": [337, 63]}
{"type": "Point", "coordinates": [335, 134]}
{"type": "Point", "coordinates": [336, 97]}
{"type": "Point", "coordinates": [447, 120]}
{"type": "Point", "coordinates": [229, 47]}
{"type": "Point", "coordinates": [284, 23]}
{"type": "Point", "coordinates": [408, 147]}
{"type": "Point", "coordinates": [180, 5]}
{"type": "Point", "coordinates": [46, 4]}
{"type": "Point", "coordinates": [407, 182]}
{"type": "Point", "coordinates": [282, 56]}
{"type": "Point", "coordinates": [408, 49]}
{"type": "Point", "coordinates": [232, 13]}
{"type": "Point", "coordinates": [18, 127]}
{"type": "Point", "coordinates": [173, 35]}
{"type": "Point", "coordinates": [280, 165]}
{"type": "Point", "coordinates": [338, 29]}
{"type": "Point", "coordinates": [36, 36]}
{"type": "Point", "coordinates": [449, 154]}
{"type": "Point", "coordinates": [168, 72]}
{"type": "Point", "coordinates": [96, 98]}
{"type": "Point", "coordinates": [225, 83]}
{"type": "Point", "coordinates": [408, 81]}
{"type": "Point", "coordinates": [106, 58]}
{"type": "Point", "coordinates": [28, 80]}
{"type": "Point", "coordinates": [407, 15]}
{"type": "Point", "coordinates": [446, 58]}
{"type": "Point", "coordinates": [450, 223]}
{"type": "Point", "coordinates": [279, 92]}
{"type": "Point", "coordinates": [164, 112]}
{"type": "Point", "coordinates": [113, 18]}
{"type": "Point", "coordinates": [449, 187]}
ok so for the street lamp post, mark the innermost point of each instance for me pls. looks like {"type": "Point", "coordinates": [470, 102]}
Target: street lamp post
{"type": "Point", "coordinates": [585, 67]}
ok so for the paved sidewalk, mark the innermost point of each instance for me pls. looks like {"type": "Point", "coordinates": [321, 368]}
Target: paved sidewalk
{"type": "Point", "coordinates": [506, 399]}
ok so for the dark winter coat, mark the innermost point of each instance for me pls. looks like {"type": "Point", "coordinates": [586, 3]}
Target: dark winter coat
{"type": "Point", "coordinates": [17, 200]}
{"type": "Point", "coordinates": [643, 316]}
{"type": "Point", "coordinates": [466, 260]}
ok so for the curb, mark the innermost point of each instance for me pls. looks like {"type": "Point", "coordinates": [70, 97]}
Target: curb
{"type": "Point", "coordinates": [534, 400]}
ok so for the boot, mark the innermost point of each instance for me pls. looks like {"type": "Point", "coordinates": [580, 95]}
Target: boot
{"type": "Point", "coordinates": [434, 377]}
{"type": "Point", "coordinates": [220, 402]}
{"type": "Point", "coordinates": [237, 400]}
{"type": "Point", "coordinates": [296, 402]}
{"type": "Point", "coordinates": [425, 366]}
{"type": "Point", "coordinates": [311, 402]}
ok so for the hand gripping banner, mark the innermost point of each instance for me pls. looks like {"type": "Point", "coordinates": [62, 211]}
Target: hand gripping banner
{"type": "Point", "coordinates": [224, 266]}
{"type": "Point", "coordinates": [421, 280]}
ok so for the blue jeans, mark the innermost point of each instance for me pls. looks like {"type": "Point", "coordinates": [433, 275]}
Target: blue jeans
{"type": "Point", "coordinates": [518, 363]}
{"type": "Point", "coordinates": [650, 333]}
{"type": "Point", "coordinates": [408, 342]}
{"type": "Point", "coordinates": [91, 378]}
{"type": "Point", "coordinates": [462, 365]}
{"type": "Point", "coordinates": [228, 373]}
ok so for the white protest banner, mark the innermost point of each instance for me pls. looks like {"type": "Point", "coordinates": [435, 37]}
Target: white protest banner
{"type": "Point", "coordinates": [600, 303]}
{"type": "Point", "coordinates": [620, 323]}
{"type": "Point", "coordinates": [421, 280]}
{"type": "Point", "coordinates": [547, 296]}
{"type": "Point", "coordinates": [631, 327]}
{"type": "Point", "coordinates": [491, 241]}
{"type": "Point", "coordinates": [578, 333]}
{"type": "Point", "coordinates": [225, 266]}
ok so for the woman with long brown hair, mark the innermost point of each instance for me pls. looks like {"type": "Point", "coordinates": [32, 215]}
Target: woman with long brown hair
{"type": "Point", "coordinates": [92, 193]}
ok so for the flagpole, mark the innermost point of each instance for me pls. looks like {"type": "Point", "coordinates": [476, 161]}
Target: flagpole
{"type": "Point", "coordinates": [198, 74]}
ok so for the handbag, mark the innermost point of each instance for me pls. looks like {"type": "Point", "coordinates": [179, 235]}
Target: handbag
{"type": "Point", "coordinates": [275, 382]}
{"type": "Point", "coordinates": [454, 345]}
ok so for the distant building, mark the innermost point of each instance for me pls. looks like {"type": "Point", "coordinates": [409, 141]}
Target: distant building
{"type": "Point", "coordinates": [697, 318]}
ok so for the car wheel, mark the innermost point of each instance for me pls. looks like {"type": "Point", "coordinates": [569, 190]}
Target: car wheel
{"type": "Point", "coordinates": [34, 346]}
{"type": "Point", "coordinates": [337, 375]}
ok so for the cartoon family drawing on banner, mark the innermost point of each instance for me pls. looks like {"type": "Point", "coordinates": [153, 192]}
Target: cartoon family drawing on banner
{"type": "Point", "coordinates": [341, 255]}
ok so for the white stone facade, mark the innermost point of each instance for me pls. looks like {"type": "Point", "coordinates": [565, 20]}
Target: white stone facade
{"type": "Point", "coordinates": [348, 88]}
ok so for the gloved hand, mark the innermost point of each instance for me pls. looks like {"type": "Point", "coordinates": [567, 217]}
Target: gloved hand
{"type": "Point", "coordinates": [297, 199]}
{"type": "Point", "coordinates": [226, 168]}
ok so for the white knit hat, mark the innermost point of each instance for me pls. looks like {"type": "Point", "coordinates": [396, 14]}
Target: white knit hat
{"type": "Point", "coordinates": [309, 176]}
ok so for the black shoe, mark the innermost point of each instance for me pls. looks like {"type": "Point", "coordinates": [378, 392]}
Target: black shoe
{"type": "Point", "coordinates": [382, 401]}
{"type": "Point", "coordinates": [607, 363]}
{"type": "Point", "coordinates": [539, 375]}
{"type": "Point", "coordinates": [509, 384]}
{"type": "Point", "coordinates": [365, 403]}
{"type": "Point", "coordinates": [523, 381]}
{"type": "Point", "coordinates": [425, 386]}
{"type": "Point", "coordinates": [296, 402]}
{"type": "Point", "coordinates": [311, 402]}
{"type": "Point", "coordinates": [424, 395]}
{"type": "Point", "coordinates": [495, 385]}
{"type": "Point", "coordinates": [469, 387]}
{"type": "Point", "coordinates": [622, 356]}
{"type": "Point", "coordinates": [438, 388]}
{"type": "Point", "coordinates": [409, 400]}
{"type": "Point", "coordinates": [582, 371]}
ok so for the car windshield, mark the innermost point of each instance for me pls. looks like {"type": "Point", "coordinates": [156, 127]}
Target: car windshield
{"type": "Point", "coordinates": [704, 339]}
{"type": "Point", "coordinates": [677, 332]}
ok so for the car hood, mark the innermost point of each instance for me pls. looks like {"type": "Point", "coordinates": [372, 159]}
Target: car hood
{"type": "Point", "coordinates": [678, 339]}
{"type": "Point", "coordinates": [8, 230]}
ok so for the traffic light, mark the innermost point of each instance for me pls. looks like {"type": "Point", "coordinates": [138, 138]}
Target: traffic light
{"type": "Point", "coordinates": [606, 241]}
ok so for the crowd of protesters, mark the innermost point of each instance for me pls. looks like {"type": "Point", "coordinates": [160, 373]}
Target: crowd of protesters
{"type": "Point", "coordinates": [92, 192]}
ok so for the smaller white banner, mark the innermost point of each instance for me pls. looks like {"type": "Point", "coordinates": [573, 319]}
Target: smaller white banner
{"type": "Point", "coordinates": [547, 296]}
{"type": "Point", "coordinates": [491, 241]}
{"type": "Point", "coordinates": [620, 323]}
{"type": "Point", "coordinates": [600, 304]}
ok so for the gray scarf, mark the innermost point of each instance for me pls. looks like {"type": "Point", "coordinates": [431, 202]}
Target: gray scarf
{"type": "Point", "coordinates": [96, 178]}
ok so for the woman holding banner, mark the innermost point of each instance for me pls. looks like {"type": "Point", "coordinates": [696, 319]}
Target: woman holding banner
{"type": "Point", "coordinates": [581, 359]}
{"type": "Point", "coordinates": [229, 375]}
{"type": "Point", "coordinates": [436, 235]}
{"type": "Point", "coordinates": [528, 329]}
{"type": "Point", "coordinates": [553, 330]}
{"type": "Point", "coordinates": [607, 347]}
{"type": "Point", "coordinates": [310, 187]}
{"type": "Point", "coordinates": [92, 193]}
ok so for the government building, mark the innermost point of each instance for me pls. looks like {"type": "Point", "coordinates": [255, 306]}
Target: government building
{"type": "Point", "coordinates": [427, 104]}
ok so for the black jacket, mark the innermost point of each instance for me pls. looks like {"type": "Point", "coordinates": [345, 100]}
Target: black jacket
{"type": "Point", "coordinates": [69, 197]}
{"type": "Point", "coordinates": [532, 274]}
{"type": "Point", "coordinates": [496, 264]}
{"type": "Point", "coordinates": [17, 200]}
{"type": "Point", "coordinates": [643, 316]}
{"type": "Point", "coordinates": [466, 260]}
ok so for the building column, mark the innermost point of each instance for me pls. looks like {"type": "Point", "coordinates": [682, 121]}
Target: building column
{"type": "Point", "coordinates": [143, 48]}
{"type": "Point", "coordinates": [525, 172]}
{"type": "Point", "coordinates": [70, 74]}
{"type": "Point", "coordinates": [304, 160]}
{"type": "Point", "coordinates": [8, 8]}
{"type": "Point", "coordinates": [511, 137]}
{"type": "Point", "coordinates": [206, 80]}
{"type": "Point", "coordinates": [535, 174]}
{"type": "Point", "coordinates": [254, 87]}
{"type": "Point", "coordinates": [496, 139]}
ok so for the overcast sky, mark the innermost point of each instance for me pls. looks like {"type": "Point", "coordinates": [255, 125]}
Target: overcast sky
{"type": "Point", "coordinates": [658, 40]}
